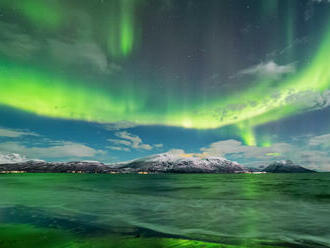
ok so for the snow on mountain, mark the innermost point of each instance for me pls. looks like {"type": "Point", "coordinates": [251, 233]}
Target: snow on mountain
{"type": "Point", "coordinates": [181, 163]}
{"type": "Point", "coordinates": [161, 163]}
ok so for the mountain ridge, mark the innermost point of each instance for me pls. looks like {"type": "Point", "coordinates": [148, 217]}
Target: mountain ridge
{"type": "Point", "coordinates": [159, 163]}
{"type": "Point", "coordinates": [172, 163]}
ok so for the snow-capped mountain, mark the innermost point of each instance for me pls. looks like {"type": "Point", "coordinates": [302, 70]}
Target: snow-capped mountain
{"type": "Point", "coordinates": [40, 166]}
{"type": "Point", "coordinates": [180, 163]}
{"type": "Point", "coordinates": [160, 163]}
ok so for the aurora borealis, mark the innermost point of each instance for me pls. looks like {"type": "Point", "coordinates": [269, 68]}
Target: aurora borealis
{"type": "Point", "coordinates": [218, 70]}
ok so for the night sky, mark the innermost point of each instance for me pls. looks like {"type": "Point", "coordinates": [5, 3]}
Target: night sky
{"type": "Point", "coordinates": [114, 80]}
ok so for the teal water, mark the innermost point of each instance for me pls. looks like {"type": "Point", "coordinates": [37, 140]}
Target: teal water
{"type": "Point", "coordinates": [186, 210]}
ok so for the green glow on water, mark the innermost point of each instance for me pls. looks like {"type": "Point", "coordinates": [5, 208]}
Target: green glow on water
{"type": "Point", "coordinates": [68, 210]}
{"type": "Point", "coordinates": [27, 236]}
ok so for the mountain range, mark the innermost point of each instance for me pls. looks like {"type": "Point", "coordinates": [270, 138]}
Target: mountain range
{"type": "Point", "coordinates": [174, 163]}
{"type": "Point", "coordinates": [159, 163]}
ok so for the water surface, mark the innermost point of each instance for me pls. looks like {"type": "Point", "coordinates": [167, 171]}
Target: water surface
{"type": "Point", "coordinates": [186, 210]}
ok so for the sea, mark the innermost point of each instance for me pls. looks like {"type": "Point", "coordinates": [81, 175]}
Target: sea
{"type": "Point", "coordinates": [164, 210]}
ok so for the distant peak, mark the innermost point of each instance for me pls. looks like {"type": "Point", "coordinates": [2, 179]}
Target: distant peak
{"type": "Point", "coordinates": [285, 166]}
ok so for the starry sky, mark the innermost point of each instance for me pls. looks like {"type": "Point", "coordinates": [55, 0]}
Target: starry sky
{"type": "Point", "coordinates": [114, 80]}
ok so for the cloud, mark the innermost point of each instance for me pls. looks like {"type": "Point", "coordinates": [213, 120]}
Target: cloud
{"type": "Point", "coordinates": [309, 99]}
{"type": "Point", "coordinates": [14, 42]}
{"type": "Point", "coordinates": [181, 153]}
{"type": "Point", "coordinates": [321, 1]}
{"type": "Point", "coordinates": [322, 140]}
{"type": "Point", "coordinates": [317, 160]}
{"type": "Point", "coordinates": [176, 151]}
{"type": "Point", "coordinates": [314, 153]}
{"type": "Point", "coordinates": [120, 142]}
{"type": "Point", "coordinates": [296, 42]}
{"type": "Point", "coordinates": [119, 125]}
{"type": "Point", "coordinates": [118, 148]}
{"type": "Point", "coordinates": [238, 150]}
{"type": "Point", "coordinates": [135, 141]}
{"type": "Point", "coordinates": [41, 147]}
{"type": "Point", "coordinates": [54, 150]}
{"type": "Point", "coordinates": [15, 133]}
{"type": "Point", "coordinates": [129, 141]}
{"type": "Point", "coordinates": [224, 147]}
{"type": "Point", "coordinates": [269, 70]}
{"type": "Point", "coordinates": [11, 158]}
{"type": "Point", "coordinates": [82, 53]}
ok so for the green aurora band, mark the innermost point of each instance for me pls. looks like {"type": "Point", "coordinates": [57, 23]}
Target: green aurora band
{"type": "Point", "coordinates": [46, 14]}
{"type": "Point", "coordinates": [123, 30]}
{"type": "Point", "coordinates": [120, 19]}
{"type": "Point", "coordinates": [45, 94]}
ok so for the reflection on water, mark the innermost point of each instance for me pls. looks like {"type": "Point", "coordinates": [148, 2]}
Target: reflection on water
{"type": "Point", "coordinates": [65, 210]}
